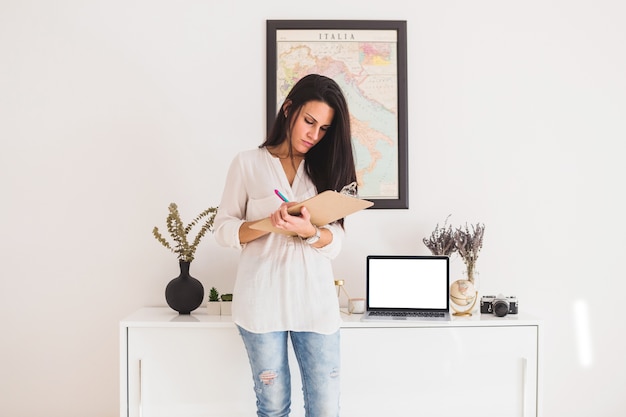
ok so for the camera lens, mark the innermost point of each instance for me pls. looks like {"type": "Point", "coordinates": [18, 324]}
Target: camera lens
{"type": "Point", "coordinates": [500, 308]}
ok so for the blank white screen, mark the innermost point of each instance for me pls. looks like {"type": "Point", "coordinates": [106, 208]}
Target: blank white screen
{"type": "Point", "coordinates": [408, 283]}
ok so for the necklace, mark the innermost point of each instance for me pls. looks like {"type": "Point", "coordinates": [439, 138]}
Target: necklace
{"type": "Point", "coordinates": [275, 155]}
{"type": "Point", "coordinates": [293, 157]}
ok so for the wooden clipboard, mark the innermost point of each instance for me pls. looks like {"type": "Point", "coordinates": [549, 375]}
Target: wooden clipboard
{"type": "Point", "coordinates": [326, 207]}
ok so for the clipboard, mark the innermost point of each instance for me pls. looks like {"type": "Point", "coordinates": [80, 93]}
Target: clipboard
{"type": "Point", "coordinates": [325, 207]}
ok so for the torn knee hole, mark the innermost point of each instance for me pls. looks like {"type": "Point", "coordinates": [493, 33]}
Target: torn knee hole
{"type": "Point", "coordinates": [267, 377]}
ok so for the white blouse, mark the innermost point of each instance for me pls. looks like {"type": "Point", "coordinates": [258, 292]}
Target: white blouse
{"type": "Point", "coordinates": [282, 282]}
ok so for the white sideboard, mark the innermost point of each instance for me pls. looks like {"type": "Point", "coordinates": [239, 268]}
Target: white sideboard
{"type": "Point", "coordinates": [196, 366]}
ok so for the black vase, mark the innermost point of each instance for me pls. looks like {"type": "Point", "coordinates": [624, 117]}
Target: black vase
{"type": "Point", "coordinates": [184, 293]}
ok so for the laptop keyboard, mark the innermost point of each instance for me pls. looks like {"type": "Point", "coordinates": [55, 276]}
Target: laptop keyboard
{"type": "Point", "coordinates": [407, 314]}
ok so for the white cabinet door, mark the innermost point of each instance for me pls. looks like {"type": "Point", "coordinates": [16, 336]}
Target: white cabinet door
{"type": "Point", "coordinates": [188, 372]}
{"type": "Point", "coordinates": [469, 371]}
{"type": "Point", "coordinates": [440, 372]}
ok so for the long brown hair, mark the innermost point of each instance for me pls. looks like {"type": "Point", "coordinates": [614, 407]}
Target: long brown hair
{"type": "Point", "coordinates": [330, 163]}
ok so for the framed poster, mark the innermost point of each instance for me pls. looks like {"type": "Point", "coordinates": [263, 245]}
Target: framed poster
{"type": "Point", "coordinates": [367, 58]}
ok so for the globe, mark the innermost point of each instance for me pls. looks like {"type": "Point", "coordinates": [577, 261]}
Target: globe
{"type": "Point", "coordinates": [463, 294]}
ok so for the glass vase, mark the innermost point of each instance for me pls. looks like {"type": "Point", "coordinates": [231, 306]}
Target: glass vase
{"type": "Point", "coordinates": [472, 275]}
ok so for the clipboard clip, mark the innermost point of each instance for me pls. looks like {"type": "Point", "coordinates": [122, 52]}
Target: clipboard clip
{"type": "Point", "coordinates": [350, 190]}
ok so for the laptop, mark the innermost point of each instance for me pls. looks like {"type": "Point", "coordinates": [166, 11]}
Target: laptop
{"type": "Point", "coordinates": [401, 287]}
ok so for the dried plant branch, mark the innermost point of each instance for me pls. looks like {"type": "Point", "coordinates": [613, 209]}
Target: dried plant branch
{"type": "Point", "coordinates": [441, 241]}
{"type": "Point", "coordinates": [178, 232]}
{"type": "Point", "coordinates": [468, 244]}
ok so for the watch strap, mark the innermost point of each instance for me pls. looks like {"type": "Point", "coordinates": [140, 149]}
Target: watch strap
{"type": "Point", "coordinates": [313, 239]}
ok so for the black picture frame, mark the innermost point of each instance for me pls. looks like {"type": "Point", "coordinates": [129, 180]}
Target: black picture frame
{"type": "Point", "coordinates": [330, 37]}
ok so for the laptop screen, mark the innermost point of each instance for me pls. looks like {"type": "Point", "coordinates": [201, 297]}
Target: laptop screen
{"type": "Point", "coordinates": [407, 282]}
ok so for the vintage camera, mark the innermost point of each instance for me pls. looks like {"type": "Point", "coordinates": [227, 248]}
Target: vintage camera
{"type": "Point", "coordinates": [500, 306]}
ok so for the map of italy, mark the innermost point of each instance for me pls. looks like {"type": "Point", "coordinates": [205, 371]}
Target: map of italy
{"type": "Point", "coordinates": [365, 67]}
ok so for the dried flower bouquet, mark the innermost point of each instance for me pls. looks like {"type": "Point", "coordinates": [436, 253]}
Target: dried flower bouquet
{"type": "Point", "coordinates": [441, 240]}
{"type": "Point", "coordinates": [468, 244]}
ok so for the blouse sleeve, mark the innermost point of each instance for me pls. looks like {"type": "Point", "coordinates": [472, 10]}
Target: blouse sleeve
{"type": "Point", "coordinates": [334, 247]}
{"type": "Point", "coordinates": [231, 212]}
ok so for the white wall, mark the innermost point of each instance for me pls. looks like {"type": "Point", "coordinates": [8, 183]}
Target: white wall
{"type": "Point", "coordinates": [110, 110]}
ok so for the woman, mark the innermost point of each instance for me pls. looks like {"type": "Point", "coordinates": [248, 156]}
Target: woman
{"type": "Point", "coordinates": [285, 285]}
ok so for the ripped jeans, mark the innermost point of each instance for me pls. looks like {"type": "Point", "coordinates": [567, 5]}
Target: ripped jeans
{"type": "Point", "coordinates": [318, 358]}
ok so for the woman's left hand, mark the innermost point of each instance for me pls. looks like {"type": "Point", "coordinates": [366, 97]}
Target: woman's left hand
{"type": "Point", "coordinates": [299, 224]}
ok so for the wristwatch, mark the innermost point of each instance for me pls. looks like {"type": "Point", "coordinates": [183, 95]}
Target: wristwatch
{"type": "Point", "coordinates": [311, 240]}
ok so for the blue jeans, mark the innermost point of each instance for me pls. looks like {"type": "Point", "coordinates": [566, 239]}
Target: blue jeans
{"type": "Point", "coordinates": [318, 358]}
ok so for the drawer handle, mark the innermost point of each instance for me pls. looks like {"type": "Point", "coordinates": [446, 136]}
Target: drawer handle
{"type": "Point", "coordinates": [140, 391]}
{"type": "Point", "coordinates": [524, 388]}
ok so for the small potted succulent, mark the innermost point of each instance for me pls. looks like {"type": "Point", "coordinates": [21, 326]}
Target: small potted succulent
{"type": "Point", "coordinates": [213, 305]}
{"type": "Point", "coordinates": [227, 304]}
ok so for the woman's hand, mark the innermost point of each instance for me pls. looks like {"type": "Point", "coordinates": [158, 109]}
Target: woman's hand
{"type": "Point", "coordinates": [298, 224]}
